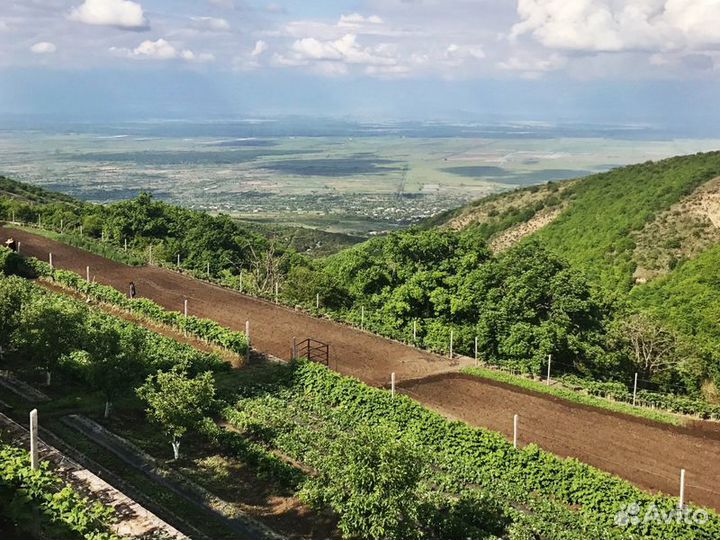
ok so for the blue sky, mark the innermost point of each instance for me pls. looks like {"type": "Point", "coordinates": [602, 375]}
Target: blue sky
{"type": "Point", "coordinates": [632, 61]}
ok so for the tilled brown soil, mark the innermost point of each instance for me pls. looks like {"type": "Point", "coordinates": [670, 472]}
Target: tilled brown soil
{"type": "Point", "coordinates": [646, 453]}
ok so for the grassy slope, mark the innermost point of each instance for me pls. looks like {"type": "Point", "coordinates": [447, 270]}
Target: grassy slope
{"type": "Point", "coordinates": [688, 298]}
{"type": "Point", "coordinates": [595, 232]}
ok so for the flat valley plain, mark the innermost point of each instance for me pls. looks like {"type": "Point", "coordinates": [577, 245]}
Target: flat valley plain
{"type": "Point", "coordinates": [351, 184]}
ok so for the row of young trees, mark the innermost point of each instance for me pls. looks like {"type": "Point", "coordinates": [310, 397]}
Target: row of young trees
{"type": "Point", "coordinates": [40, 330]}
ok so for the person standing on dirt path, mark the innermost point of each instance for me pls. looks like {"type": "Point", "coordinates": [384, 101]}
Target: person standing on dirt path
{"type": "Point", "coordinates": [133, 292]}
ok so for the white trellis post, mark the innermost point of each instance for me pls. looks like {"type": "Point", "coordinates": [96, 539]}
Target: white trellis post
{"type": "Point", "coordinates": [178, 260]}
{"type": "Point", "coordinates": [635, 389]}
{"type": "Point", "coordinates": [476, 350]}
{"type": "Point", "coordinates": [515, 430]}
{"type": "Point", "coordinates": [362, 317]}
{"type": "Point", "coordinates": [150, 259]}
{"type": "Point", "coordinates": [62, 224]}
{"type": "Point", "coordinates": [102, 235]}
{"type": "Point", "coordinates": [125, 244]}
{"type": "Point", "coordinates": [317, 301]}
{"type": "Point", "coordinates": [249, 343]}
{"type": "Point", "coordinates": [81, 230]}
{"type": "Point", "coordinates": [185, 306]}
{"type": "Point", "coordinates": [277, 291]}
{"type": "Point", "coordinates": [87, 273]}
{"type": "Point", "coordinates": [548, 373]}
{"type": "Point", "coordinates": [452, 335]}
{"type": "Point", "coordinates": [392, 384]}
{"type": "Point", "coordinates": [414, 330]}
{"type": "Point", "coordinates": [50, 259]}
{"type": "Point", "coordinates": [18, 248]}
{"type": "Point", "coordinates": [681, 502]}
{"type": "Point", "coordinates": [208, 271]}
{"type": "Point", "coordinates": [34, 462]}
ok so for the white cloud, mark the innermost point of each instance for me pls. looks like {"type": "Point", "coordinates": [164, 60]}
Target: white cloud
{"type": "Point", "coordinates": [211, 24]}
{"type": "Point", "coordinates": [43, 47]}
{"type": "Point", "coordinates": [346, 50]}
{"type": "Point", "coordinates": [457, 55]}
{"type": "Point", "coordinates": [161, 49]}
{"type": "Point", "coordinates": [611, 25]}
{"type": "Point", "coordinates": [260, 47]}
{"type": "Point", "coordinates": [353, 23]}
{"type": "Point", "coordinates": [120, 13]}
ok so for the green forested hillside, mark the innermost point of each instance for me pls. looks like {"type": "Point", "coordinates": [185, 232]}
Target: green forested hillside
{"type": "Point", "coordinates": [595, 232]}
{"type": "Point", "coordinates": [688, 300]}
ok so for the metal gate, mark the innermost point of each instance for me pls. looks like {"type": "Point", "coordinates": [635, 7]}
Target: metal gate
{"type": "Point", "coordinates": [313, 350]}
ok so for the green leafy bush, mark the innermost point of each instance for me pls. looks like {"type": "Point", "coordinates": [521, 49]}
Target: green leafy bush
{"type": "Point", "coordinates": [61, 511]}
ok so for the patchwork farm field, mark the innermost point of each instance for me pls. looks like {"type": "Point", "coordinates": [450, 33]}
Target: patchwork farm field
{"type": "Point", "coordinates": [649, 455]}
{"type": "Point", "coordinates": [357, 182]}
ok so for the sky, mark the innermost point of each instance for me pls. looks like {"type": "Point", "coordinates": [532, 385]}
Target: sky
{"type": "Point", "coordinates": [632, 61]}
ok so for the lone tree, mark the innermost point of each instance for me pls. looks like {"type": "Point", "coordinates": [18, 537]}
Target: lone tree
{"type": "Point", "coordinates": [654, 348]}
{"type": "Point", "coordinates": [176, 402]}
